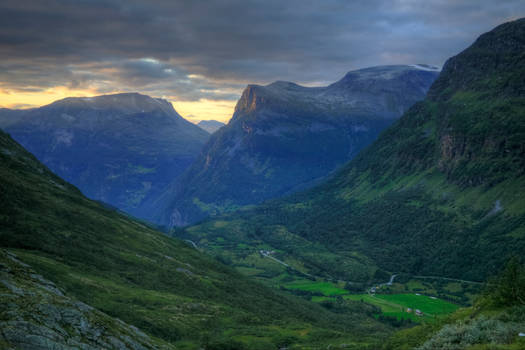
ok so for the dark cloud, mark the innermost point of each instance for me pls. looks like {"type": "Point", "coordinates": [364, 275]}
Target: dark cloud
{"type": "Point", "coordinates": [210, 49]}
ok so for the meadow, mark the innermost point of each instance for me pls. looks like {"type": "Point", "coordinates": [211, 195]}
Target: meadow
{"type": "Point", "coordinates": [396, 305]}
{"type": "Point", "coordinates": [325, 288]}
{"type": "Point", "coordinates": [402, 306]}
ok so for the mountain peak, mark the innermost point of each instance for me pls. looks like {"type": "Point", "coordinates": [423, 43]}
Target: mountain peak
{"type": "Point", "coordinates": [495, 52]}
{"type": "Point", "coordinates": [385, 73]}
{"type": "Point", "coordinates": [210, 125]}
{"type": "Point", "coordinates": [359, 92]}
{"type": "Point", "coordinates": [121, 149]}
{"type": "Point", "coordinates": [124, 102]}
{"type": "Point", "coordinates": [282, 84]}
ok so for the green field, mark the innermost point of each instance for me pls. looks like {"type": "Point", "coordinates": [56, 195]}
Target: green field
{"type": "Point", "coordinates": [426, 304]}
{"type": "Point", "coordinates": [397, 304]}
{"type": "Point", "coordinates": [325, 288]}
{"type": "Point", "coordinates": [394, 305]}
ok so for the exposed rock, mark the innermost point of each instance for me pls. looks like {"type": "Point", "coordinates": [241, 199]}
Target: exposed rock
{"type": "Point", "coordinates": [36, 315]}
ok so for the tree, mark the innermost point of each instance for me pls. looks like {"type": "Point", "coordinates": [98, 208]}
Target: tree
{"type": "Point", "coordinates": [510, 285]}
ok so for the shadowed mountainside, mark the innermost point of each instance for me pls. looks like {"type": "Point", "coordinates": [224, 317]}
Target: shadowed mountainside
{"type": "Point", "coordinates": [284, 137]}
{"type": "Point", "coordinates": [121, 149]}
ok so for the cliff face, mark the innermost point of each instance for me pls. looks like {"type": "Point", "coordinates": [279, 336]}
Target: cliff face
{"type": "Point", "coordinates": [284, 137]}
{"type": "Point", "coordinates": [482, 128]}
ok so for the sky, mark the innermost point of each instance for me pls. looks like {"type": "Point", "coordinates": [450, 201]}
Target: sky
{"type": "Point", "coordinates": [201, 54]}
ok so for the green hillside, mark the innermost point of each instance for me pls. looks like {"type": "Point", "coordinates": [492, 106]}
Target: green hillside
{"type": "Point", "coordinates": [35, 314]}
{"type": "Point", "coordinates": [440, 193]}
{"type": "Point", "coordinates": [163, 286]}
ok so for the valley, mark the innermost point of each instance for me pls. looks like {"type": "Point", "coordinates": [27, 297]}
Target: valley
{"type": "Point", "coordinates": [437, 194]}
{"type": "Point", "coordinates": [382, 211]}
{"type": "Point", "coordinates": [127, 270]}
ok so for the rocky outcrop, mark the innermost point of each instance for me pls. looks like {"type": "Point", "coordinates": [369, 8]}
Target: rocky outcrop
{"type": "Point", "coordinates": [36, 315]}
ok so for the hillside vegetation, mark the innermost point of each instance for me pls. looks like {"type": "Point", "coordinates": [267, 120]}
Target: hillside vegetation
{"type": "Point", "coordinates": [494, 322]}
{"type": "Point", "coordinates": [161, 285]}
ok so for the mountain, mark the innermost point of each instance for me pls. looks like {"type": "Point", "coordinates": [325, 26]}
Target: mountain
{"type": "Point", "coordinates": [75, 274]}
{"type": "Point", "coordinates": [439, 193]}
{"type": "Point", "coordinates": [210, 125]}
{"type": "Point", "coordinates": [121, 149]}
{"type": "Point", "coordinates": [10, 116]}
{"type": "Point", "coordinates": [284, 137]}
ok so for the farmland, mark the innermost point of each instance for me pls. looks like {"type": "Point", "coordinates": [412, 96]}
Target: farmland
{"type": "Point", "coordinates": [398, 305]}
{"type": "Point", "coordinates": [326, 288]}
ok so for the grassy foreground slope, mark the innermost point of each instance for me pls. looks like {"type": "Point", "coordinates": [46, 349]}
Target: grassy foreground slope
{"type": "Point", "coordinates": [35, 314]}
{"type": "Point", "coordinates": [160, 285]}
{"type": "Point", "coordinates": [441, 192]}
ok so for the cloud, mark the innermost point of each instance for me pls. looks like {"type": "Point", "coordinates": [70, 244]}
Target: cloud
{"type": "Point", "coordinates": [208, 50]}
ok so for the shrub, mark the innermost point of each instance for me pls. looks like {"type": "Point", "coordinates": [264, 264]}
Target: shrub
{"type": "Point", "coordinates": [479, 331]}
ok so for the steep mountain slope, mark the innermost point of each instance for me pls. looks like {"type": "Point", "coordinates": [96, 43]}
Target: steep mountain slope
{"type": "Point", "coordinates": [121, 149]}
{"type": "Point", "coordinates": [127, 270]}
{"type": "Point", "coordinates": [210, 125]}
{"type": "Point", "coordinates": [284, 137]}
{"type": "Point", "coordinates": [37, 315]}
{"type": "Point", "coordinates": [10, 116]}
{"type": "Point", "coordinates": [441, 192]}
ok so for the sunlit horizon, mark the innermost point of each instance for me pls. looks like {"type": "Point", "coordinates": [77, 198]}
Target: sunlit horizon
{"type": "Point", "coordinates": [193, 111]}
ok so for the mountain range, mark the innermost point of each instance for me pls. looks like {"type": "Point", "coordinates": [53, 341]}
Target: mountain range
{"type": "Point", "coordinates": [284, 137]}
{"type": "Point", "coordinates": [121, 149]}
{"type": "Point", "coordinates": [439, 193]}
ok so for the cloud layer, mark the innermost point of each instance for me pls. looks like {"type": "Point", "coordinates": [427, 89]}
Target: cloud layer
{"type": "Point", "coordinates": [194, 50]}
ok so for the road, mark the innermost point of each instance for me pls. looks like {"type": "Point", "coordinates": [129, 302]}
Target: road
{"type": "Point", "coordinates": [192, 243]}
{"type": "Point", "coordinates": [372, 289]}
{"type": "Point", "coordinates": [263, 253]}
{"type": "Point", "coordinates": [447, 279]}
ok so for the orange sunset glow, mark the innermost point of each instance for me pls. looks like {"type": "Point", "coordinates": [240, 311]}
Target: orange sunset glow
{"type": "Point", "coordinates": [194, 111]}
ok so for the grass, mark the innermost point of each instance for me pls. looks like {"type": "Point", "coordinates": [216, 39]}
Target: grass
{"type": "Point", "coordinates": [385, 305]}
{"type": "Point", "coordinates": [426, 304]}
{"type": "Point", "coordinates": [248, 271]}
{"type": "Point", "coordinates": [325, 288]}
{"type": "Point", "coordinates": [157, 283]}
{"type": "Point", "coordinates": [396, 305]}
